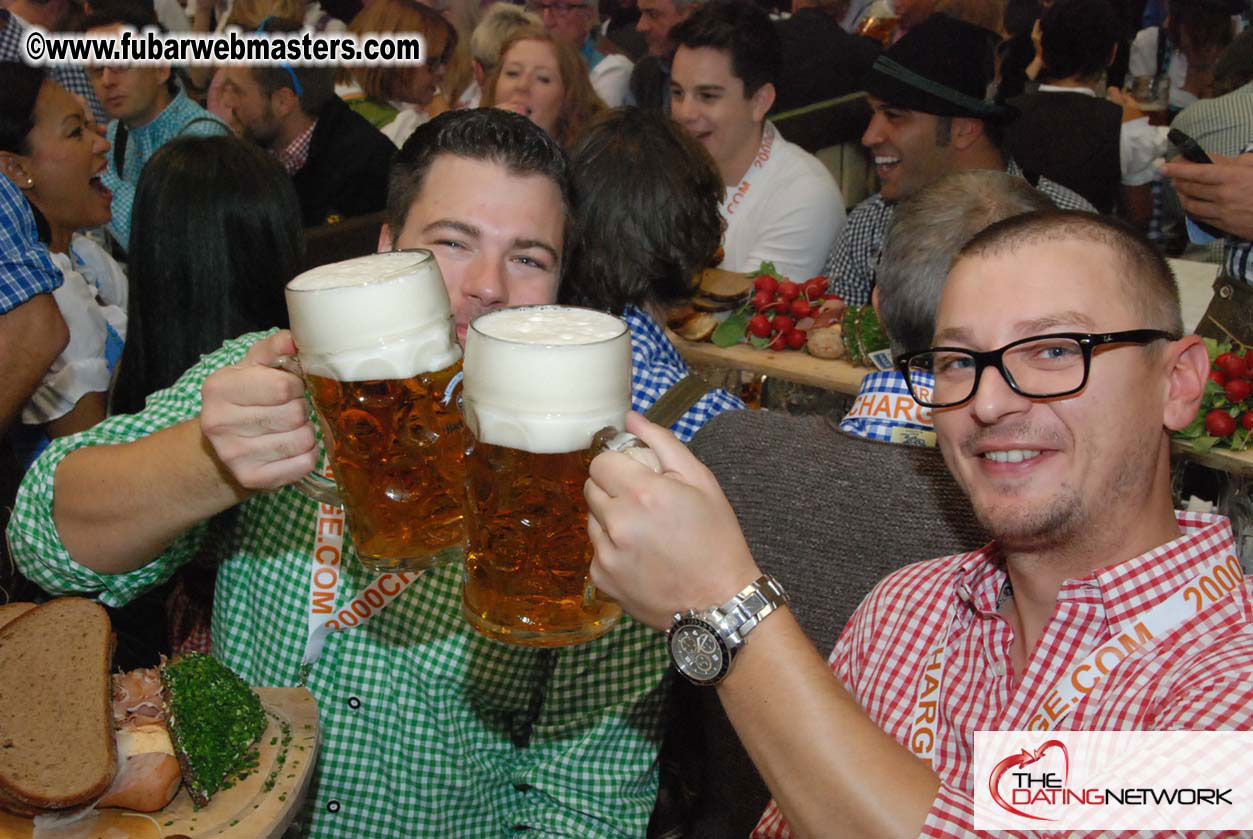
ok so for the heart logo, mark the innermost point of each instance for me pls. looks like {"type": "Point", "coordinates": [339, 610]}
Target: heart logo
{"type": "Point", "coordinates": [1026, 758]}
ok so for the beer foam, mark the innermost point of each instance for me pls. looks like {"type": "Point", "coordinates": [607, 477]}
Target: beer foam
{"type": "Point", "coordinates": [545, 379]}
{"type": "Point", "coordinates": [382, 316]}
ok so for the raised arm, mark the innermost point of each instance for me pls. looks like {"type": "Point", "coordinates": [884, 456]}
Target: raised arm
{"type": "Point", "coordinates": [667, 543]}
{"type": "Point", "coordinates": [117, 507]}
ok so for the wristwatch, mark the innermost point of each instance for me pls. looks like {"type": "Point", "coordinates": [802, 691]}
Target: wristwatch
{"type": "Point", "coordinates": [704, 644]}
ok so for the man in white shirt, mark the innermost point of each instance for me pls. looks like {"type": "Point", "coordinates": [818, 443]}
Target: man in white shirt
{"type": "Point", "coordinates": [781, 203]}
{"type": "Point", "coordinates": [574, 21]}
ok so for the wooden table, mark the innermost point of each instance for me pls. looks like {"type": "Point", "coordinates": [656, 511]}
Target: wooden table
{"type": "Point", "coordinates": [793, 365]}
{"type": "Point", "coordinates": [1195, 281]}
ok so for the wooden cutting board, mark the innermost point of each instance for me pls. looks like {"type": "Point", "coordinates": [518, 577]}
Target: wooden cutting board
{"type": "Point", "coordinates": [248, 810]}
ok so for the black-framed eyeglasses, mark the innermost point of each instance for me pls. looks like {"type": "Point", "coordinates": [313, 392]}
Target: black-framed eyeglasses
{"type": "Point", "coordinates": [559, 8]}
{"type": "Point", "coordinates": [1039, 367]}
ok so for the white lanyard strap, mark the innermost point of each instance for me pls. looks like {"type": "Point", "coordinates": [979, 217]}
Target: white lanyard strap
{"type": "Point", "coordinates": [324, 578]}
{"type": "Point", "coordinates": [734, 197]}
{"type": "Point", "coordinates": [1218, 580]}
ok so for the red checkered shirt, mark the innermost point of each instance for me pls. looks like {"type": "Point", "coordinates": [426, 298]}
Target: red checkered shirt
{"type": "Point", "coordinates": [1198, 677]}
{"type": "Point", "coordinates": [293, 158]}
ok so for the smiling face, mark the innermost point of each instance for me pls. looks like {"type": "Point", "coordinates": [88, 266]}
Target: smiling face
{"type": "Point", "coordinates": [135, 95]}
{"type": "Point", "coordinates": [708, 99]}
{"type": "Point", "coordinates": [497, 236]}
{"type": "Point", "coordinates": [909, 147]}
{"type": "Point", "coordinates": [65, 158]}
{"type": "Point", "coordinates": [530, 84]}
{"type": "Point", "coordinates": [1042, 472]}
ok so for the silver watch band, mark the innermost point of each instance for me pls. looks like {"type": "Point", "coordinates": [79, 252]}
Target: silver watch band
{"type": "Point", "coordinates": [755, 602]}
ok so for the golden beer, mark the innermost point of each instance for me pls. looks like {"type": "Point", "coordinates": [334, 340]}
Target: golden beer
{"type": "Point", "coordinates": [881, 28]}
{"type": "Point", "coordinates": [526, 572]}
{"type": "Point", "coordinates": [540, 382]}
{"type": "Point", "coordinates": [379, 355]}
{"type": "Point", "coordinates": [398, 461]}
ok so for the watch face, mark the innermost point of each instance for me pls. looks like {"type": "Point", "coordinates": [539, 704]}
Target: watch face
{"type": "Point", "coordinates": [697, 651]}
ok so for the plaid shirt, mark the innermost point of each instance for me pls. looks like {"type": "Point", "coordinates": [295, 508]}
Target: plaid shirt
{"type": "Point", "coordinates": [72, 78]}
{"type": "Point", "coordinates": [428, 728]}
{"type": "Point", "coordinates": [1238, 256]}
{"type": "Point", "coordinates": [1198, 677]}
{"type": "Point", "coordinates": [851, 263]}
{"type": "Point", "coordinates": [293, 158]}
{"type": "Point", "coordinates": [181, 118]}
{"type": "Point", "coordinates": [26, 267]}
{"type": "Point", "coordinates": [657, 366]}
{"type": "Point", "coordinates": [885, 411]}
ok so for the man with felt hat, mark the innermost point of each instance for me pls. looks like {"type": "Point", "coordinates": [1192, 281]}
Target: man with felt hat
{"type": "Point", "coordinates": [933, 114]}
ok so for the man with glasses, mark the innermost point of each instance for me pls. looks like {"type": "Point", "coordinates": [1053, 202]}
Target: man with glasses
{"type": "Point", "coordinates": [575, 22]}
{"type": "Point", "coordinates": [1059, 375]}
{"type": "Point", "coordinates": [337, 161]}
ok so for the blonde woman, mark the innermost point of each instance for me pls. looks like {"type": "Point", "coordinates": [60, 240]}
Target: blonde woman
{"type": "Point", "coordinates": [396, 99]}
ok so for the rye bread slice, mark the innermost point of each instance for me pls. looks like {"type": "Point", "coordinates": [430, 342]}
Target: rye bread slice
{"type": "Point", "coordinates": [56, 721]}
{"type": "Point", "coordinates": [9, 611]}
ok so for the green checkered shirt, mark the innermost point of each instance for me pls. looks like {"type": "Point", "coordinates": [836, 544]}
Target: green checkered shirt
{"type": "Point", "coordinates": [428, 729]}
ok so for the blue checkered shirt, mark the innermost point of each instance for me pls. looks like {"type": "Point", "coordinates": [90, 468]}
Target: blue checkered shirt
{"type": "Point", "coordinates": [851, 263]}
{"type": "Point", "coordinates": [874, 388]}
{"type": "Point", "coordinates": [181, 118]}
{"type": "Point", "coordinates": [656, 367]}
{"type": "Point", "coordinates": [26, 267]}
{"type": "Point", "coordinates": [72, 78]}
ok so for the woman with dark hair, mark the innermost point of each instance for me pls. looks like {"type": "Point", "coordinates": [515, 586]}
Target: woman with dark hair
{"type": "Point", "coordinates": [545, 80]}
{"type": "Point", "coordinates": [51, 149]}
{"type": "Point", "coordinates": [216, 236]}
{"type": "Point", "coordinates": [647, 223]}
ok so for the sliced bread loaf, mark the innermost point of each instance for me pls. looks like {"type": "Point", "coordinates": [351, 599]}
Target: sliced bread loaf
{"type": "Point", "coordinates": [56, 724]}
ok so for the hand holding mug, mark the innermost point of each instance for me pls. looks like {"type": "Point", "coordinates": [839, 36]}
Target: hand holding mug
{"type": "Point", "coordinates": [256, 419]}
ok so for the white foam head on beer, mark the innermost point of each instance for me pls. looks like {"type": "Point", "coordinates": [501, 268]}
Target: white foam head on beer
{"type": "Point", "coordinates": [545, 379]}
{"type": "Point", "coordinates": [382, 316]}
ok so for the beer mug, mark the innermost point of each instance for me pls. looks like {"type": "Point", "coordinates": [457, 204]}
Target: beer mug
{"type": "Point", "coordinates": [377, 350]}
{"type": "Point", "coordinates": [540, 383]}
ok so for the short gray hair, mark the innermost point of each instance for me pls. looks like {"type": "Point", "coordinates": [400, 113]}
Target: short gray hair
{"type": "Point", "coordinates": [926, 232]}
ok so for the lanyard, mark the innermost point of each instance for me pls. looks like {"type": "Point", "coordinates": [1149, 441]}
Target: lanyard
{"type": "Point", "coordinates": [733, 200]}
{"type": "Point", "coordinates": [1218, 580]}
{"type": "Point", "coordinates": [325, 574]}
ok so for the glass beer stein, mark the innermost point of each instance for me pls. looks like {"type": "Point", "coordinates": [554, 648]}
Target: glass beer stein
{"type": "Point", "coordinates": [540, 383]}
{"type": "Point", "coordinates": [378, 353]}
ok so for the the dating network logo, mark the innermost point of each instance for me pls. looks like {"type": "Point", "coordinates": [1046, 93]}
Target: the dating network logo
{"type": "Point", "coordinates": [1026, 787]}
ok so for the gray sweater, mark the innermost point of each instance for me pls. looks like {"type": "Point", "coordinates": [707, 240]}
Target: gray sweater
{"type": "Point", "coordinates": [829, 515]}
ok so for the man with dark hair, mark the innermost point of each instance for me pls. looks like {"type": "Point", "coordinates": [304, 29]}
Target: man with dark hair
{"type": "Point", "coordinates": [650, 79]}
{"type": "Point", "coordinates": [1068, 131]}
{"type": "Point", "coordinates": [781, 204]}
{"type": "Point", "coordinates": [1061, 373]}
{"type": "Point", "coordinates": [336, 159]}
{"type": "Point", "coordinates": [429, 729]}
{"type": "Point", "coordinates": [929, 93]}
{"type": "Point", "coordinates": [148, 109]}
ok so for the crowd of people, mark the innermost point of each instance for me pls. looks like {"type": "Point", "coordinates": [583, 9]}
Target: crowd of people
{"type": "Point", "coordinates": [602, 156]}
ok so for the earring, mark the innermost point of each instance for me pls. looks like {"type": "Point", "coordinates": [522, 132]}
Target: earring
{"type": "Point", "coordinates": [29, 182]}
